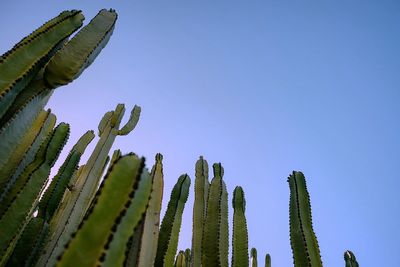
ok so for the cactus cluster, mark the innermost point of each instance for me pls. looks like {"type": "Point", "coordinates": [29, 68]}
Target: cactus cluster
{"type": "Point", "coordinates": [84, 219]}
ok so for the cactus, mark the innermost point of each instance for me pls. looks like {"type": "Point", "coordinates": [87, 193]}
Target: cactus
{"type": "Point", "coordinates": [199, 209]}
{"type": "Point", "coordinates": [302, 238]}
{"type": "Point", "coordinates": [240, 256]}
{"type": "Point", "coordinates": [350, 259]}
{"type": "Point", "coordinates": [267, 260]}
{"type": "Point", "coordinates": [180, 260]}
{"type": "Point", "coordinates": [22, 200]}
{"type": "Point", "coordinates": [215, 238]}
{"type": "Point", "coordinates": [171, 223]}
{"type": "Point", "coordinates": [253, 257]}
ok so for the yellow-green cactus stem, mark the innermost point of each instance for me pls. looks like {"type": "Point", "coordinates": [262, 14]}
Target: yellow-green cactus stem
{"type": "Point", "coordinates": [253, 257]}
{"type": "Point", "coordinates": [350, 259]}
{"type": "Point", "coordinates": [180, 260]}
{"type": "Point", "coordinates": [302, 237]}
{"type": "Point", "coordinates": [240, 254]}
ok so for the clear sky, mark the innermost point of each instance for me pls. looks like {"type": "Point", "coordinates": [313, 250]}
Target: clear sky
{"type": "Point", "coordinates": [264, 87]}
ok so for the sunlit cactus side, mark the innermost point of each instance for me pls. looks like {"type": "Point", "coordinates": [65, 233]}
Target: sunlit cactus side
{"type": "Point", "coordinates": [171, 223]}
{"type": "Point", "coordinates": [23, 198]}
{"type": "Point", "coordinates": [86, 183]}
{"type": "Point", "coordinates": [215, 244]}
{"type": "Point", "coordinates": [267, 260]}
{"type": "Point", "coordinates": [108, 225]}
{"type": "Point", "coordinates": [199, 209]}
{"type": "Point", "coordinates": [240, 254]}
{"type": "Point", "coordinates": [350, 259]}
{"type": "Point", "coordinates": [180, 260]}
{"type": "Point", "coordinates": [302, 237]}
{"type": "Point", "coordinates": [253, 257]}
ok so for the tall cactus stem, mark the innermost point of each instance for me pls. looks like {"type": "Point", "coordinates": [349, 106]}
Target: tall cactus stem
{"type": "Point", "coordinates": [240, 254]}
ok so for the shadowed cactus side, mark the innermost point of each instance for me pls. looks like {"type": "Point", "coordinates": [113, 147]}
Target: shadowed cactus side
{"type": "Point", "coordinates": [302, 237]}
{"type": "Point", "coordinates": [267, 260]}
{"type": "Point", "coordinates": [350, 259]}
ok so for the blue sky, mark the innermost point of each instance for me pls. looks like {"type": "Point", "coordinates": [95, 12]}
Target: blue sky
{"type": "Point", "coordinates": [264, 87]}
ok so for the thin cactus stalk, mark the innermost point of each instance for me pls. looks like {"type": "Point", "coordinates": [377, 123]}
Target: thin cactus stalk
{"type": "Point", "coordinates": [215, 242]}
{"type": "Point", "coordinates": [150, 234]}
{"type": "Point", "coordinates": [199, 209]}
{"type": "Point", "coordinates": [240, 247]}
{"type": "Point", "coordinates": [253, 257]}
{"type": "Point", "coordinates": [171, 223]}
{"type": "Point", "coordinates": [84, 189]}
{"type": "Point", "coordinates": [350, 259]}
{"type": "Point", "coordinates": [109, 224]}
{"type": "Point", "coordinates": [267, 260]}
{"type": "Point", "coordinates": [188, 257]}
{"type": "Point", "coordinates": [180, 260]}
{"type": "Point", "coordinates": [302, 237]}
{"type": "Point", "coordinates": [13, 218]}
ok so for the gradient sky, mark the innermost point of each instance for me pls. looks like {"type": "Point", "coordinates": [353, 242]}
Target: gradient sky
{"type": "Point", "coordinates": [264, 87]}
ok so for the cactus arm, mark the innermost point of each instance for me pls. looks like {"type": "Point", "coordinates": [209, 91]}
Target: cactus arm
{"type": "Point", "coordinates": [23, 152]}
{"type": "Point", "coordinates": [132, 122]}
{"type": "Point", "coordinates": [115, 192]}
{"type": "Point", "coordinates": [117, 116]}
{"type": "Point", "coordinates": [103, 122]}
{"type": "Point", "coordinates": [188, 257]}
{"type": "Point", "coordinates": [13, 219]}
{"type": "Point", "coordinates": [302, 237]}
{"type": "Point", "coordinates": [267, 260]}
{"type": "Point", "coordinates": [83, 142]}
{"type": "Point", "coordinates": [199, 209]}
{"type": "Point", "coordinates": [115, 254]}
{"type": "Point", "coordinates": [170, 226]}
{"type": "Point", "coordinates": [149, 239]}
{"type": "Point", "coordinates": [19, 65]}
{"type": "Point", "coordinates": [215, 239]}
{"type": "Point", "coordinates": [69, 62]}
{"type": "Point", "coordinates": [350, 259]}
{"type": "Point", "coordinates": [240, 256]}
{"type": "Point", "coordinates": [253, 257]}
{"type": "Point", "coordinates": [116, 155]}
{"type": "Point", "coordinates": [180, 260]}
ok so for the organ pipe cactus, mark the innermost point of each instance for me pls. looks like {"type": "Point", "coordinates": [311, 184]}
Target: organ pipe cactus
{"type": "Point", "coordinates": [350, 259]}
{"type": "Point", "coordinates": [171, 223]}
{"type": "Point", "coordinates": [240, 256]}
{"type": "Point", "coordinates": [199, 209]}
{"type": "Point", "coordinates": [24, 197]}
{"type": "Point", "coordinates": [267, 260]}
{"type": "Point", "coordinates": [253, 257]}
{"type": "Point", "coordinates": [215, 242]}
{"type": "Point", "coordinates": [302, 237]}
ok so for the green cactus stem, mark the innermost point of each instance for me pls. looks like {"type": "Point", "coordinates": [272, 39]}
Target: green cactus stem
{"type": "Point", "coordinates": [267, 260]}
{"type": "Point", "coordinates": [215, 242]}
{"type": "Point", "coordinates": [180, 260]}
{"type": "Point", "coordinates": [188, 257]}
{"type": "Point", "coordinates": [84, 190]}
{"type": "Point", "coordinates": [150, 234]}
{"type": "Point", "coordinates": [240, 254]}
{"type": "Point", "coordinates": [253, 257]}
{"type": "Point", "coordinates": [171, 223]}
{"type": "Point", "coordinates": [350, 259]}
{"type": "Point", "coordinates": [19, 65]}
{"type": "Point", "coordinates": [24, 200]}
{"type": "Point", "coordinates": [121, 203]}
{"type": "Point", "coordinates": [68, 63]}
{"type": "Point", "coordinates": [302, 237]}
{"type": "Point", "coordinates": [199, 209]}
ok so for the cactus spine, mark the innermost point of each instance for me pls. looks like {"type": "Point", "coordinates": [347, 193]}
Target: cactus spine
{"type": "Point", "coordinates": [240, 256]}
{"type": "Point", "coordinates": [350, 259]}
{"type": "Point", "coordinates": [302, 237]}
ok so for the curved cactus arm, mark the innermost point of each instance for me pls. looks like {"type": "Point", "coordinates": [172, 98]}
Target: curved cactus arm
{"type": "Point", "coordinates": [253, 257]}
{"type": "Point", "coordinates": [267, 260]}
{"type": "Point", "coordinates": [240, 254]}
{"type": "Point", "coordinates": [180, 260]}
{"type": "Point", "coordinates": [23, 152]}
{"type": "Point", "coordinates": [199, 209]}
{"type": "Point", "coordinates": [29, 244]}
{"type": "Point", "coordinates": [350, 259]}
{"type": "Point", "coordinates": [149, 238]}
{"type": "Point", "coordinates": [132, 122]}
{"type": "Point", "coordinates": [83, 142]}
{"type": "Point", "coordinates": [302, 237]}
{"type": "Point", "coordinates": [103, 122]}
{"type": "Point", "coordinates": [69, 62]}
{"type": "Point", "coordinates": [14, 217]}
{"type": "Point", "coordinates": [114, 197]}
{"type": "Point", "coordinates": [171, 223]}
{"type": "Point", "coordinates": [19, 65]}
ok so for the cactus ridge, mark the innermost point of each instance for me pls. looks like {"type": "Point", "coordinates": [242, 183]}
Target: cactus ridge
{"type": "Point", "coordinates": [105, 216]}
{"type": "Point", "coordinates": [13, 219]}
{"type": "Point", "coordinates": [240, 256]}
{"type": "Point", "coordinates": [303, 240]}
{"type": "Point", "coordinates": [18, 69]}
{"type": "Point", "coordinates": [81, 50]}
